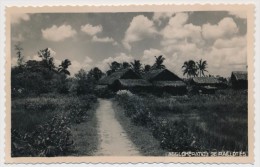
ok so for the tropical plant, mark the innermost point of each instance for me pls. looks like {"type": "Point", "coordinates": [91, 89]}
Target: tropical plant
{"type": "Point", "coordinates": [137, 66]}
{"type": "Point", "coordinates": [63, 67]}
{"type": "Point", "coordinates": [147, 68]}
{"type": "Point", "coordinates": [18, 50]}
{"type": "Point", "coordinates": [190, 68]}
{"type": "Point", "coordinates": [95, 73]}
{"type": "Point", "coordinates": [202, 65]}
{"type": "Point", "coordinates": [125, 65]}
{"type": "Point", "coordinates": [159, 62]}
{"type": "Point", "coordinates": [47, 59]}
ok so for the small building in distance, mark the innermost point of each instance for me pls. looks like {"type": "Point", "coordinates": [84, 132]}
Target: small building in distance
{"type": "Point", "coordinates": [239, 79]}
{"type": "Point", "coordinates": [124, 79]}
{"type": "Point", "coordinates": [206, 85]}
{"type": "Point", "coordinates": [164, 80]}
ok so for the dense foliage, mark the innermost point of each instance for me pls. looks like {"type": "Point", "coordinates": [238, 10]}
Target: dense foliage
{"type": "Point", "coordinates": [41, 126]}
{"type": "Point", "coordinates": [195, 123]}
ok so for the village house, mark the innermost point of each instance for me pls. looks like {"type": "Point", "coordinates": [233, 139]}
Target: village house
{"type": "Point", "coordinates": [164, 80]}
{"type": "Point", "coordinates": [239, 79]}
{"type": "Point", "coordinates": [206, 85]}
{"type": "Point", "coordinates": [124, 79]}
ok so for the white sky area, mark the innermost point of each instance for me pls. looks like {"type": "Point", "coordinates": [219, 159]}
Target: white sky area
{"type": "Point", "coordinates": [97, 39]}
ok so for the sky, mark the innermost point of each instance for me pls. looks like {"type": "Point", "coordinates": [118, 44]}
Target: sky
{"type": "Point", "coordinates": [96, 39]}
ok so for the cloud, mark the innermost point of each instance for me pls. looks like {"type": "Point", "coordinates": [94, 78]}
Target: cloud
{"type": "Point", "coordinates": [238, 14]}
{"type": "Point", "coordinates": [75, 66]}
{"type": "Point", "coordinates": [238, 42]}
{"type": "Point", "coordinates": [103, 40]}
{"type": "Point", "coordinates": [159, 16]}
{"type": "Point", "coordinates": [17, 18]}
{"type": "Point", "coordinates": [91, 30]}
{"type": "Point", "coordinates": [225, 28]}
{"type": "Point", "coordinates": [140, 27]}
{"type": "Point", "coordinates": [14, 61]}
{"type": "Point", "coordinates": [120, 58]}
{"type": "Point", "coordinates": [60, 33]}
{"type": "Point", "coordinates": [149, 56]}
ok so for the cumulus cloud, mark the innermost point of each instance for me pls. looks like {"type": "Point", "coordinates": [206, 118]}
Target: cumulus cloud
{"type": "Point", "coordinates": [60, 33]}
{"type": "Point", "coordinates": [238, 14]}
{"type": "Point", "coordinates": [91, 30]}
{"type": "Point", "coordinates": [149, 56]}
{"type": "Point", "coordinates": [120, 58]}
{"type": "Point", "coordinates": [18, 17]}
{"type": "Point", "coordinates": [225, 28]}
{"type": "Point", "coordinates": [140, 27]}
{"type": "Point", "coordinates": [75, 66]}
{"type": "Point", "coordinates": [103, 39]}
{"type": "Point", "coordinates": [159, 16]}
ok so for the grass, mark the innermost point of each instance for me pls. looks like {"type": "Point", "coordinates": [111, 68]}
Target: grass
{"type": "Point", "coordinates": [202, 122]}
{"type": "Point", "coordinates": [141, 136]}
{"type": "Point", "coordinates": [44, 125]}
{"type": "Point", "coordinates": [85, 135]}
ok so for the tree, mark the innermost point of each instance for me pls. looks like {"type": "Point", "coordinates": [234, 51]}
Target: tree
{"type": "Point", "coordinates": [114, 66]}
{"type": "Point", "coordinates": [202, 65]}
{"type": "Point", "coordinates": [18, 50]}
{"type": "Point", "coordinates": [159, 62]}
{"type": "Point", "coordinates": [63, 67]}
{"type": "Point", "coordinates": [84, 84]}
{"type": "Point", "coordinates": [125, 65]}
{"type": "Point", "coordinates": [190, 68]}
{"type": "Point", "coordinates": [137, 66]}
{"type": "Point", "coordinates": [47, 60]}
{"type": "Point", "coordinates": [147, 68]}
{"type": "Point", "coordinates": [95, 73]}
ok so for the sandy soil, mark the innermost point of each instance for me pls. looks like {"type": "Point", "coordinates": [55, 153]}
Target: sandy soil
{"type": "Point", "coordinates": [113, 139]}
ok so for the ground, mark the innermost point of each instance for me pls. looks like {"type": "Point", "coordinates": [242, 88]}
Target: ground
{"type": "Point", "coordinates": [113, 139]}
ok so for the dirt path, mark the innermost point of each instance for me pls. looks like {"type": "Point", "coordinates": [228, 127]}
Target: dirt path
{"type": "Point", "coordinates": [113, 139]}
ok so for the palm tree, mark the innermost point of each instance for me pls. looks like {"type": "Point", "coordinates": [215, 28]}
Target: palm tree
{"type": "Point", "coordinates": [159, 62]}
{"type": "Point", "coordinates": [63, 67]}
{"type": "Point", "coordinates": [190, 68]}
{"type": "Point", "coordinates": [202, 65]}
{"type": "Point", "coordinates": [137, 66]}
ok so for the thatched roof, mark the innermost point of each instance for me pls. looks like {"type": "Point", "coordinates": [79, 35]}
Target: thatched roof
{"type": "Point", "coordinates": [240, 75]}
{"type": "Point", "coordinates": [108, 80]}
{"type": "Point", "coordinates": [205, 80]}
{"type": "Point", "coordinates": [152, 74]}
{"type": "Point", "coordinates": [134, 82]}
{"type": "Point", "coordinates": [169, 84]}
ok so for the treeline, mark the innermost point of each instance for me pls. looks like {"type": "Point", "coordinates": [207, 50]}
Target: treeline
{"type": "Point", "coordinates": [37, 77]}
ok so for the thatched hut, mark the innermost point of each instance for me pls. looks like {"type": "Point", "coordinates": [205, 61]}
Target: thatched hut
{"type": "Point", "coordinates": [125, 79]}
{"type": "Point", "coordinates": [120, 74]}
{"type": "Point", "coordinates": [239, 79]}
{"type": "Point", "coordinates": [133, 85]}
{"type": "Point", "coordinates": [164, 80]}
{"type": "Point", "coordinates": [206, 85]}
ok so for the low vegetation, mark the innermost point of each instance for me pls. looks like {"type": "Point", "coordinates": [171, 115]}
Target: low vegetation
{"type": "Point", "coordinates": [191, 123]}
{"type": "Point", "coordinates": [41, 126]}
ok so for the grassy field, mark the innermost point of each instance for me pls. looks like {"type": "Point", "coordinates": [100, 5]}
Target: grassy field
{"type": "Point", "coordinates": [49, 125]}
{"type": "Point", "coordinates": [139, 135]}
{"type": "Point", "coordinates": [191, 123]}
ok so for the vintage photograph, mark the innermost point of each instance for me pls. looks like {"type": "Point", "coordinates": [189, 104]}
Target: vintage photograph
{"type": "Point", "coordinates": [171, 83]}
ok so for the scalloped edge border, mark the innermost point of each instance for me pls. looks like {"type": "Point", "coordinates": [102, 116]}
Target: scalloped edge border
{"type": "Point", "coordinates": [145, 159]}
